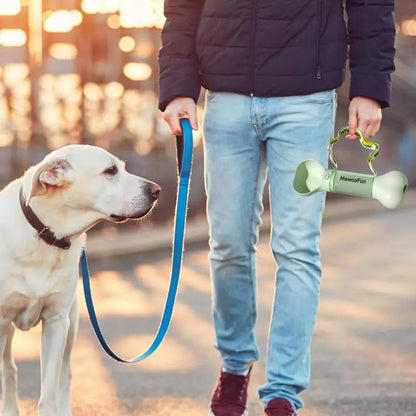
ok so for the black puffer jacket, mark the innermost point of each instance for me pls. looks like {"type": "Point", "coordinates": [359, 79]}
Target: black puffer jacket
{"type": "Point", "coordinates": [276, 47]}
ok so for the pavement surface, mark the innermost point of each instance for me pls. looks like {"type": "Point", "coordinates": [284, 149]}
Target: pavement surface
{"type": "Point", "coordinates": [364, 346]}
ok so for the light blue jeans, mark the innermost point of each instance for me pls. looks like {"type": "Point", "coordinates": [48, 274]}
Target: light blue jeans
{"type": "Point", "coordinates": [246, 139]}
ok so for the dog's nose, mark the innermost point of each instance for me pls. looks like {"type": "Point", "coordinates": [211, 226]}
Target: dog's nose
{"type": "Point", "coordinates": [155, 190]}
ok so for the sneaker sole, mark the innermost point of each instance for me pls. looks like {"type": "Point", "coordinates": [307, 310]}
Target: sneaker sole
{"type": "Point", "coordinates": [243, 414]}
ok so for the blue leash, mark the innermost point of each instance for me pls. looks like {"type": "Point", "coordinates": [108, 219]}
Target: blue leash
{"type": "Point", "coordinates": [184, 148]}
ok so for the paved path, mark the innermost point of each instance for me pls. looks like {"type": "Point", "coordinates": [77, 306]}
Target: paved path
{"type": "Point", "coordinates": [364, 348]}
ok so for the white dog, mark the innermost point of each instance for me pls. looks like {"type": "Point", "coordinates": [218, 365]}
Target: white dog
{"type": "Point", "coordinates": [44, 217]}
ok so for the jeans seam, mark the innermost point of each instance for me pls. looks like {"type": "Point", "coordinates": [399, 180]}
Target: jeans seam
{"type": "Point", "coordinates": [252, 255]}
{"type": "Point", "coordinates": [256, 126]}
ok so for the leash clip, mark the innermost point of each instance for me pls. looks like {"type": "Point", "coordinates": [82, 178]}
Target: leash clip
{"type": "Point", "coordinates": [373, 146]}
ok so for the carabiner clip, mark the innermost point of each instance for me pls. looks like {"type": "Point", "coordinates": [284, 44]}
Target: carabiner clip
{"type": "Point", "coordinates": [373, 146]}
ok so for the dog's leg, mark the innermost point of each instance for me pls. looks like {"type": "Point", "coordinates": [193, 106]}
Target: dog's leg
{"type": "Point", "coordinates": [65, 381]}
{"type": "Point", "coordinates": [54, 336]}
{"type": "Point", "coordinates": [8, 374]}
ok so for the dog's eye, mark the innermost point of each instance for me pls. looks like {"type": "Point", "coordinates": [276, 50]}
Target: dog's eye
{"type": "Point", "coordinates": [112, 170]}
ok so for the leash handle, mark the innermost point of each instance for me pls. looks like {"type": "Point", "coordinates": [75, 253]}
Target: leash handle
{"type": "Point", "coordinates": [185, 150]}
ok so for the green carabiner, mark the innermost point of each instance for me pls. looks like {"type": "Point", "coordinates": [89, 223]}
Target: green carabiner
{"type": "Point", "coordinates": [373, 146]}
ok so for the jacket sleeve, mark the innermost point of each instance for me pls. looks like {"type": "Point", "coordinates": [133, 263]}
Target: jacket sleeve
{"type": "Point", "coordinates": [178, 64]}
{"type": "Point", "coordinates": [371, 33]}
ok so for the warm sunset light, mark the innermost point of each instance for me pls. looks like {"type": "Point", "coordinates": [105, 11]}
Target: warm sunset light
{"type": "Point", "coordinates": [100, 6]}
{"type": "Point", "coordinates": [61, 21]}
{"type": "Point", "coordinates": [13, 74]}
{"type": "Point", "coordinates": [77, 17]}
{"type": "Point", "coordinates": [113, 21]}
{"type": "Point", "coordinates": [409, 27]}
{"type": "Point", "coordinates": [63, 51]}
{"type": "Point", "coordinates": [93, 91]}
{"type": "Point", "coordinates": [12, 37]}
{"type": "Point", "coordinates": [137, 71]}
{"type": "Point", "coordinates": [9, 7]}
{"type": "Point", "coordinates": [6, 138]}
{"type": "Point", "coordinates": [126, 43]}
{"type": "Point", "coordinates": [148, 14]}
{"type": "Point", "coordinates": [144, 48]}
{"type": "Point", "coordinates": [114, 90]}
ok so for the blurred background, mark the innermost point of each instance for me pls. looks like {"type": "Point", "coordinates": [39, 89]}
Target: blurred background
{"type": "Point", "coordinates": [85, 71]}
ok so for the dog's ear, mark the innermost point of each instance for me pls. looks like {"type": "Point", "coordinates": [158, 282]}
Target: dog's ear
{"type": "Point", "coordinates": [56, 173]}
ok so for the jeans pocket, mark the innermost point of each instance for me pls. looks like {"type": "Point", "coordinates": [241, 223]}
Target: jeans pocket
{"type": "Point", "coordinates": [320, 97]}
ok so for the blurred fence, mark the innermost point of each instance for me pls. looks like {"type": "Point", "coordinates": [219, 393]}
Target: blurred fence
{"type": "Point", "coordinates": [75, 71]}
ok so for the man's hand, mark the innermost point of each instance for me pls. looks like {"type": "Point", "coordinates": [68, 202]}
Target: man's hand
{"type": "Point", "coordinates": [364, 114]}
{"type": "Point", "coordinates": [178, 108]}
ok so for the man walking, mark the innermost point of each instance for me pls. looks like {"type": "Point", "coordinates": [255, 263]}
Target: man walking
{"type": "Point", "coordinates": [270, 68]}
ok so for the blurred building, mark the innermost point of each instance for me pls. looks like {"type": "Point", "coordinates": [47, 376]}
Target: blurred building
{"type": "Point", "coordinates": [86, 70]}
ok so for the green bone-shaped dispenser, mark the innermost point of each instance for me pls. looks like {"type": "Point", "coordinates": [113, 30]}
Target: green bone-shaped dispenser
{"type": "Point", "coordinates": [389, 189]}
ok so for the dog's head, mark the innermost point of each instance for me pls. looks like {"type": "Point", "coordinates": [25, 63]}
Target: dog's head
{"type": "Point", "coordinates": [90, 181]}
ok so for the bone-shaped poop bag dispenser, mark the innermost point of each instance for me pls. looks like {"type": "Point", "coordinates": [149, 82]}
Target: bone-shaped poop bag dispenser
{"type": "Point", "coordinates": [389, 189]}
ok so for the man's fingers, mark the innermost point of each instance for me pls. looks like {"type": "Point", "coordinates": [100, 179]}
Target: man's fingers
{"type": "Point", "coordinates": [173, 122]}
{"type": "Point", "coordinates": [352, 122]}
{"type": "Point", "coordinates": [193, 119]}
{"type": "Point", "coordinates": [364, 115]}
{"type": "Point", "coordinates": [179, 108]}
{"type": "Point", "coordinates": [373, 127]}
{"type": "Point", "coordinates": [369, 127]}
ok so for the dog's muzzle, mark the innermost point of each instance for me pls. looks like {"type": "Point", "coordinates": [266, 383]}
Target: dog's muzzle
{"type": "Point", "coordinates": [152, 193]}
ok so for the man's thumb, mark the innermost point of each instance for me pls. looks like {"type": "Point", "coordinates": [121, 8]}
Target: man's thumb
{"type": "Point", "coordinates": [193, 119]}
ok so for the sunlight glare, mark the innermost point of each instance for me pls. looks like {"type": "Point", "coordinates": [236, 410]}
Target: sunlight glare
{"type": "Point", "coordinates": [6, 138]}
{"type": "Point", "coordinates": [62, 21]}
{"type": "Point", "coordinates": [177, 405]}
{"type": "Point", "coordinates": [12, 37]}
{"type": "Point", "coordinates": [352, 311]}
{"type": "Point", "coordinates": [172, 356]}
{"type": "Point", "coordinates": [114, 90]}
{"type": "Point", "coordinates": [149, 13]}
{"type": "Point", "coordinates": [113, 21]}
{"type": "Point", "coordinates": [9, 7]}
{"type": "Point", "coordinates": [126, 44]}
{"type": "Point", "coordinates": [137, 71]}
{"type": "Point", "coordinates": [92, 381]}
{"type": "Point", "coordinates": [100, 6]}
{"type": "Point", "coordinates": [63, 51]}
{"type": "Point", "coordinates": [14, 74]}
{"type": "Point", "coordinates": [116, 296]}
{"type": "Point", "coordinates": [409, 27]}
{"type": "Point", "coordinates": [93, 91]}
{"type": "Point", "coordinates": [77, 17]}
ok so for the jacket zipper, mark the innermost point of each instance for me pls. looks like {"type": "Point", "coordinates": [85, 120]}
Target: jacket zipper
{"type": "Point", "coordinates": [320, 4]}
{"type": "Point", "coordinates": [252, 50]}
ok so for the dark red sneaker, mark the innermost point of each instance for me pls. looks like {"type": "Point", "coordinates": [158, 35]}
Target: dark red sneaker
{"type": "Point", "coordinates": [279, 407]}
{"type": "Point", "coordinates": [229, 397]}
